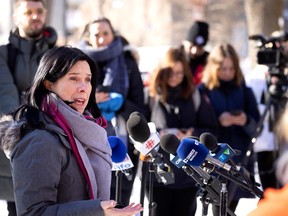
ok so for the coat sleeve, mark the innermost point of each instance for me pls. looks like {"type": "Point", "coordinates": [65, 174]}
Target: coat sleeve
{"type": "Point", "coordinates": [252, 112]}
{"type": "Point", "coordinates": [37, 163]}
{"type": "Point", "coordinates": [206, 117]}
{"type": "Point", "coordinates": [9, 96]}
{"type": "Point", "coordinates": [135, 97]}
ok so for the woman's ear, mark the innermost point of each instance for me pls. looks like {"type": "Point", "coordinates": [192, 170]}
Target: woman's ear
{"type": "Point", "coordinates": [48, 85]}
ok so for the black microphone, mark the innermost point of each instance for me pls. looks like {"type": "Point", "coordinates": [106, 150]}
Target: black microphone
{"type": "Point", "coordinates": [146, 142]}
{"type": "Point", "coordinates": [225, 153]}
{"type": "Point", "coordinates": [221, 151]}
{"type": "Point", "coordinates": [170, 144]}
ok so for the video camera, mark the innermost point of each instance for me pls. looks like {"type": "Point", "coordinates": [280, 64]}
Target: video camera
{"type": "Point", "coordinates": [271, 52]}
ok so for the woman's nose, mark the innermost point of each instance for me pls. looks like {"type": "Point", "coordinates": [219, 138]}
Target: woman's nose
{"type": "Point", "coordinates": [83, 86]}
{"type": "Point", "coordinates": [100, 41]}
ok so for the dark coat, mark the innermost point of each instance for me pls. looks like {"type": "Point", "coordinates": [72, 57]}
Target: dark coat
{"type": "Point", "coordinates": [28, 54]}
{"type": "Point", "coordinates": [202, 120]}
{"type": "Point", "coordinates": [134, 100]}
{"type": "Point", "coordinates": [230, 98]}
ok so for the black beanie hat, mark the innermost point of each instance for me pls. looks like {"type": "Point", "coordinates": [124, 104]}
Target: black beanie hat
{"type": "Point", "coordinates": [198, 33]}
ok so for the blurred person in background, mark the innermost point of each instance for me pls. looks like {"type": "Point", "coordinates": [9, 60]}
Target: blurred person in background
{"type": "Point", "coordinates": [177, 107]}
{"type": "Point", "coordinates": [265, 148]}
{"type": "Point", "coordinates": [275, 200]}
{"type": "Point", "coordinates": [120, 75]}
{"type": "Point", "coordinates": [194, 47]}
{"type": "Point", "coordinates": [19, 60]}
{"type": "Point", "coordinates": [269, 83]}
{"type": "Point", "coordinates": [59, 151]}
{"type": "Point", "coordinates": [236, 109]}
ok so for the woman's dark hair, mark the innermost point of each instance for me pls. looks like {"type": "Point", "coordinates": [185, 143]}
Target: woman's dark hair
{"type": "Point", "coordinates": [56, 63]}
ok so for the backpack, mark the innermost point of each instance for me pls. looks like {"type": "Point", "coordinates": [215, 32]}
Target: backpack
{"type": "Point", "coordinates": [12, 53]}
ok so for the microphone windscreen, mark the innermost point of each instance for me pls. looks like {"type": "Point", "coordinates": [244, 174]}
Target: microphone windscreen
{"type": "Point", "coordinates": [118, 147]}
{"type": "Point", "coordinates": [169, 143]}
{"type": "Point", "coordinates": [209, 141]}
{"type": "Point", "coordinates": [192, 152]}
{"type": "Point", "coordinates": [138, 114]}
{"type": "Point", "coordinates": [138, 128]}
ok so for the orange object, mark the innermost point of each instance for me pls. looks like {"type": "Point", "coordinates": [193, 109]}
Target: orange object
{"type": "Point", "coordinates": [273, 203]}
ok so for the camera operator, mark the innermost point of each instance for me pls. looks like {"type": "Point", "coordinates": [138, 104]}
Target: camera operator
{"type": "Point", "coordinates": [270, 84]}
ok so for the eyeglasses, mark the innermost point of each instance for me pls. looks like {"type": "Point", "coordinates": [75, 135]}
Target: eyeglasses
{"type": "Point", "coordinates": [177, 75]}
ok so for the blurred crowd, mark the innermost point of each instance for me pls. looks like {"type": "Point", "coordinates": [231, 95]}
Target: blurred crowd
{"type": "Point", "coordinates": [191, 91]}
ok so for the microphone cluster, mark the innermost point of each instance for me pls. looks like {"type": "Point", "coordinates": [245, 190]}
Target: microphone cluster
{"type": "Point", "coordinates": [146, 140]}
{"type": "Point", "coordinates": [199, 159]}
{"type": "Point", "coordinates": [192, 154]}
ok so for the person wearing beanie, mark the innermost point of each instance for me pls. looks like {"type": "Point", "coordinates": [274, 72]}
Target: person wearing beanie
{"type": "Point", "coordinates": [194, 46]}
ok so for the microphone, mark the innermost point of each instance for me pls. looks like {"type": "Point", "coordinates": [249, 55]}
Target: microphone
{"type": "Point", "coordinates": [195, 153]}
{"type": "Point", "coordinates": [139, 131]}
{"type": "Point", "coordinates": [221, 151]}
{"type": "Point", "coordinates": [146, 141]}
{"type": "Point", "coordinates": [120, 158]}
{"type": "Point", "coordinates": [225, 153]}
{"type": "Point", "coordinates": [170, 143]}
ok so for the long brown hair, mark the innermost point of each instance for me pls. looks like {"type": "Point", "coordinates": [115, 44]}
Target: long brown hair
{"type": "Point", "coordinates": [161, 74]}
{"type": "Point", "coordinates": [215, 61]}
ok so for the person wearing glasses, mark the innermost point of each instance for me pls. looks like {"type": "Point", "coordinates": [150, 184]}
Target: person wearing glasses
{"type": "Point", "coordinates": [177, 107]}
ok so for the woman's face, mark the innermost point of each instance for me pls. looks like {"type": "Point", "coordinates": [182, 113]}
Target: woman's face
{"type": "Point", "coordinates": [100, 34]}
{"type": "Point", "coordinates": [75, 86]}
{"type": "Point", "coordinates": [176, 77]}
{"type": "Point", "coordinates": [227, 71]}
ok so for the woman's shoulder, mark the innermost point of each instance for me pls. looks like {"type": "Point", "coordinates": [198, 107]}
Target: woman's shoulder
{"type": "Point", "coordinates": [39, 142]}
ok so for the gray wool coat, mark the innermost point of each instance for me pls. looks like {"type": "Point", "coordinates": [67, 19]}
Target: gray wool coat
{"type": "Point", "coordinates": [47, 179]}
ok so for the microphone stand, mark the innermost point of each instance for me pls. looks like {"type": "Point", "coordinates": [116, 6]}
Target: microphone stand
{"type": "Point", "coordinates": [118, 175]}
{"type": "Point", "coordinates": [143, 184]}
{"type": "Point", "coordinates": [223, 197]}
{"type": "Point", "coordinates": [252, 188]}
{"type": "Point", "coordinates": [209, 191]}
{"type": "Point", "coordinates": [152, 205]}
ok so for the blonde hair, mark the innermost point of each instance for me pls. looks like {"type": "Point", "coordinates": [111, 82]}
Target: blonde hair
{"type": "Point", "coordinates": [214, 63]}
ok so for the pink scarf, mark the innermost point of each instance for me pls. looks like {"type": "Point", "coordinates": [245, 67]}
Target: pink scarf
{"type": "Point", "coordinates": [88, 142]}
